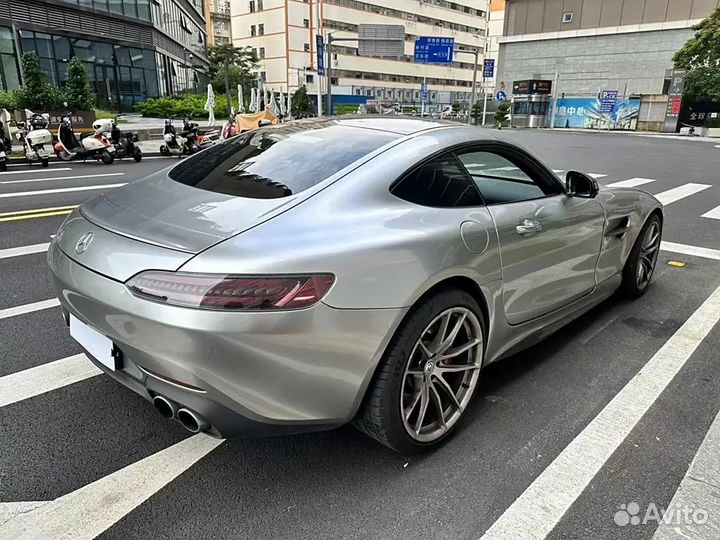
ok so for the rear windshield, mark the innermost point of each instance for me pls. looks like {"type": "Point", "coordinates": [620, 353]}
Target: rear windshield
{"type": "Point", "coordinates": [274, 162]}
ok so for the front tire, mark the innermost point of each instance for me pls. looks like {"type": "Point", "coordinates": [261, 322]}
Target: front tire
{"type": "Point", "coordinates": [428, 375]}
{"type": "Point", "coordinates": [46, 162]}
{"type": "Point", "coordinates": [137, 155]}
{"type": "Point", "coordinates": [640, 264]}
{"type": "Point", "coordinates": [3, 165]}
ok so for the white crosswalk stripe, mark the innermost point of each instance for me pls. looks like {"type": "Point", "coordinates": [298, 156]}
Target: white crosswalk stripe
{"type": "Point", "coordinates": [680, 192]}
{"type": "Point", "coordinates": [37, 171]}
{"type": "Point", "coordinates": [45, 378]}
{"type": "Point", "coordinates": [631, 182]}
{"type": "Point", "coordinates": [712, 214]}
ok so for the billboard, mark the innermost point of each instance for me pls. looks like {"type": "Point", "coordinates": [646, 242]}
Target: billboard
{"type": "Point", "coordinates": [589, 113]}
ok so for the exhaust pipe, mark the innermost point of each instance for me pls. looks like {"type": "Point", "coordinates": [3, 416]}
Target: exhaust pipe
{"type": "Point", "coordinates": [192, 421]}
{"type": "Point", "coordinates": [165, 407]}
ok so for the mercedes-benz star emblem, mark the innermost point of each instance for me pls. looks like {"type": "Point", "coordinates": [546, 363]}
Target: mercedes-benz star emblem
{"type": "Point", "coordinates": [84, 242]}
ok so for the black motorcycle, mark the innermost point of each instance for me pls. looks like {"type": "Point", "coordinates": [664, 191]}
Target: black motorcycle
{"type": "Point", "coordinates": [191, 133]}
{"type": "Point", "coordinates": [124, 143]}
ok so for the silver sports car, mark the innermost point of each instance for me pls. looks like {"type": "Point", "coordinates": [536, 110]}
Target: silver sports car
{"type": "Point", "coordinates": [320, 272]}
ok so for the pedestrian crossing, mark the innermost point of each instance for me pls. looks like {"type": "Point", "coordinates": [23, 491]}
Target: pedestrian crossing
{"type": "Point", "coordinates": [90, 510]}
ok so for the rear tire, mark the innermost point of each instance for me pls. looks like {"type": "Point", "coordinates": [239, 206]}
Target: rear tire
{"type": "Point", "coordinates": [641, 262]}
{"type": "Point", "coordinates": [45, 162]}
{"type": "Point", "coordinates": [107, 157]}
{"type": "Point", "coordinates": [406, 383]}
{"type": "Point", "coordinates": [3, 165]}
{"type": "Point", "coordinates": [137, 155]}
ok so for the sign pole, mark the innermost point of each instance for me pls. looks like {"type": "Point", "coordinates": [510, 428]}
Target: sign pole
{"type": "Point", "coordinates": [328, 71]}
{"type": "Point", "coordinates": [474, 83]}
{"type": "Point", "coordinates": [318, 32]}
{"type": "Point", "coordinates": [422, 99]}
{"type": "Point", "coordinates": [555, 100]}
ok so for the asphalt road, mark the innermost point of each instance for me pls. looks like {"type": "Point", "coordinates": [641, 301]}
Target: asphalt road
{"type": "Point", "coordinates": [69, 444]}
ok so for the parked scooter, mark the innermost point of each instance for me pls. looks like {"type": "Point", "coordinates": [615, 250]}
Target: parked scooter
{"type": "Point", "coordinates": [95, 146]}
{"type": "Point", "coordinates": [124, 143]}
{"type": "Point", "coordinates": [178, 144]}
{"type": "Point", "coordinates": [5, 139]}
{"type": "Point", "coordinates": [37, 141]}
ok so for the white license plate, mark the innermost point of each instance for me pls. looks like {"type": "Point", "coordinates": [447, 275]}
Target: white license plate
{"type": "Point", "coordinates": [99, 346]}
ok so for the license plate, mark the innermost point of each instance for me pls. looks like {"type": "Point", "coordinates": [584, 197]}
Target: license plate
{"type": "Point", "coordinates": [99, 346]}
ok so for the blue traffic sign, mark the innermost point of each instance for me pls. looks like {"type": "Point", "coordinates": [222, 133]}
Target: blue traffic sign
{"type": "Point", "coordinates": [423, 92]}
{"type": "Point", "coordinates": [434, 50]}
{"type": "Point", "coordinates": [320, 46]}
{"type": "Point", "coordinates": [488, 68]}
{"type": "Point", "coordinates": [501, 96]}
{"type": "Point", "coordinates": [608, 99]}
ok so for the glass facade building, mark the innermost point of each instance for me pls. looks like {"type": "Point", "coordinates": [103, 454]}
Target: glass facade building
{"type": "Point", "coordinates": [132, 49]}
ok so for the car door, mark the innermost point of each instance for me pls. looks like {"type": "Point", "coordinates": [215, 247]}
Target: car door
{"type": "Point", "coordinates": [549, 241]}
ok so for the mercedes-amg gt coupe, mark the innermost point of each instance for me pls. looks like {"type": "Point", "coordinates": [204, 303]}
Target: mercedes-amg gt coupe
{"type": "Point", "coordinates": [303, 276]}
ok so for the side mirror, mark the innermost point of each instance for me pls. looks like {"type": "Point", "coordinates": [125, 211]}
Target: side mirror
{"type": "Point", "coordinates": [580, 185]}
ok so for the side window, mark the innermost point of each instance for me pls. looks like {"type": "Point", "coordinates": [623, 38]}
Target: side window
{"type": "Point", "coordinates": [441, 182]}
{"type": "Point", "coordinates": [498, 179]}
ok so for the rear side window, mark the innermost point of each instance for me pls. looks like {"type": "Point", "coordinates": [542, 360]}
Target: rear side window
{"type": "Point", "coordinates": [441, 182]}
{"type": "Point", "coordinates": [276, 162]}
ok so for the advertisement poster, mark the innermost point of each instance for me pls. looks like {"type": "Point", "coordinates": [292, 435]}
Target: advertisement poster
{"type": "Point", "coordinates": [590, 113]}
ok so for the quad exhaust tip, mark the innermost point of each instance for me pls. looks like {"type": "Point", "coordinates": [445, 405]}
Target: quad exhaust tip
{"type": "Point", "coordinates": [192, 421]}
{"type": "Point", "coordinates": [165, 407]}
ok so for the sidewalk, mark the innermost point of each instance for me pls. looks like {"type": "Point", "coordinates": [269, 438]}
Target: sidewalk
{"type": "Point", "coordinates": [653, 134]}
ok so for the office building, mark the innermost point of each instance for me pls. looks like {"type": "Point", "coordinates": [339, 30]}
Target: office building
{"type": "Point", "coordinates": [593, 45]}
{"type": "Point", "coordinates": [283, 34]}
{"type": "Point", "coordinates": [132, 49]}
{"type": "Point", "coordinates": [218, 22]}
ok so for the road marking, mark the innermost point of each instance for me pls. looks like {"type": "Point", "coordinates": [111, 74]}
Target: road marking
{"type": "Point", "coordinates": [11, 509]}
{"type": "Point", "coordinates": [45, 378]}
{"type": "Point", "coordinates": [696, 251]}
{"type": "Point", "coordinates": [632, 182]}
{"type": "Point", "coordinates": [537, 511]}
{"type": "Point", "coordinates": [23, 250]}
{"type": "Point", "coordinates": [712, 214]}
{"type": "Point", "coordinates": [28, 164]}
{"type": "Point", "coordinates": [698, 491]}
{"type": "Point", "coordinates": [596, 175]}
{"type": "Point", "coordinates": [36, 213]}
{"type": "Point", "coordinates": [680, 192]}
{"type": "Point", "coordinates": [59, 190]}
{"type": "Point", "coordinates": [92, 509]}
{"type": "Point", "coordinates": [32, 170]}
{"type": "Point", "coordinates": [26, 180]}
{"type": "Point", "coordinates": [28, 308]}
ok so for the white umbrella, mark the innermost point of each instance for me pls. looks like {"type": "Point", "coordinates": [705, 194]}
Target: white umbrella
{"type": "Point", "coordinates": [268, 98]}
{"type": "Point", "coordinates": [253, 98]}
{"type": "Point", "coordinates": [210, 105]}
{"type": "Point", "coordinates": [241, 101]}
{"type": "Point", "coordinates": [283, 109]}
{"type": "Point", "coordinates": [289, 104]}
{"type": "Point", "coordinates": [274, 105]}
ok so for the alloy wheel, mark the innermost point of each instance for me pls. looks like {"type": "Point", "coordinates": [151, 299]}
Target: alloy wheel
{"type": "Point", "coordinates": [441, 374]}
{"type": "Point", "coordinates": [647, 257]}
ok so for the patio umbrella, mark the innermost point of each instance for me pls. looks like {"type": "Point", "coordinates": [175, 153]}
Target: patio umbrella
{"type": "Point", "coordinates": [253, 99]}
{"type": "Point", "coordinates": [289, 104]}
{"type": "Point", "coordinates": [241, 101]}
{"type": "Point", "coordinates": [274, 104]}
{"type": "Point", "coordinates": [210, 105]}
{"type": "Point", "coordinates": [283, 109]}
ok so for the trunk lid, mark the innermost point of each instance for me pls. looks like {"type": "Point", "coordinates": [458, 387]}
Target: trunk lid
{"type": "Point", "coordinates": [161, 211]}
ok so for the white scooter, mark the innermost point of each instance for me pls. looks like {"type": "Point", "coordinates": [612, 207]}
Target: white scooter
{"type": "Point", "coordinates": [174, 144]}
{"type": "Point", "coordinates": [37, 141]}
{"type": "Point", "coordinates": [95, 146]}
{"type": "Point", "coordinates": [5, 139]}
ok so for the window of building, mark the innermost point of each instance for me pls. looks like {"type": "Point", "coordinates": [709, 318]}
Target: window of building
{"type": "Point", "coordinates": [252, 6]}
{"type": "Point", "coordinates": [263, 76]}
{"type": "Point", "coordinates": [309, 78]}
{"type": "Point", "coordinates": [306, 47]}
{"type": "Point", "coordinates": [334, 80]}
{"type": "Point", "coordinates": [261, 29]}
{"type": "Point", "coordinates": [498, 179]}
{"type": "Point", "coordinates": [567, 17]}
{"type": "Point", "coordinates": [261, 52]}
{"type": "Point", "coordinates": [260, 5]}
{"type": "Point", "coordinates": [306, 23]}
{"type": "Point", "coordinates": [439, 183]}
{"type": "Point", "coordinates": [252, 31]}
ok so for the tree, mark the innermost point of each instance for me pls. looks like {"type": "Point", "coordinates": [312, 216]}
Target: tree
{"type": "Point", "coordinates": [477, 112]}
{"type": "Point", "coordinates": [78, 92]}
{"type": "Point", "coordinates": [230, 66]}
{"type": "Point", "coordinates": [301, 104]}
{"type": "Point", "coordinates": [456, 106]}
{"type": "Point", "coordinates": [501, 115]}
{"type": "Point", "coordinates": [37, 94]}
{"type": "Point", "coordinates": [701, 57]}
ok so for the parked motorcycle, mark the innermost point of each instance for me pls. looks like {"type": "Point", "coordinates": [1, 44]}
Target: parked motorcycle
{"type": "Point", "coordinates": [5, 139]}
{"type": "Point", "coordinates": [124, 143]}
{"type": "Point", "coordinates": [36, 141]}
{"type": "Point", "coordinates": [174, 143]}
{"type": "Point", "coordinates": [95, 146]}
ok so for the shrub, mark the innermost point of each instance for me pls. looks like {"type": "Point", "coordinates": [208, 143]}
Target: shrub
{"type": "Point", "coordinates": [185, 105]}
{"type": "Point", "coordinates": [8, 100]}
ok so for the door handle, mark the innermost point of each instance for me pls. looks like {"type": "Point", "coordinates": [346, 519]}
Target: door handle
{"type": "Point", "coordinates": [527, 226]}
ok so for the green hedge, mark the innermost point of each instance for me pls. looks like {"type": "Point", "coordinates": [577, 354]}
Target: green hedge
{"type": "Point", "coordinates": [186, 105]}
{"type": "Point", "coordinates": [8, 100]}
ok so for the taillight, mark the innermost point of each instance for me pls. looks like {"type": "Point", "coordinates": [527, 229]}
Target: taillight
{"type": "Point", "coordinates": [228, 292]}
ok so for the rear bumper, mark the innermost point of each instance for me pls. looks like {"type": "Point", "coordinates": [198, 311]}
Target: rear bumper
{"type": "Point", "coordinates": [257, 373]}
